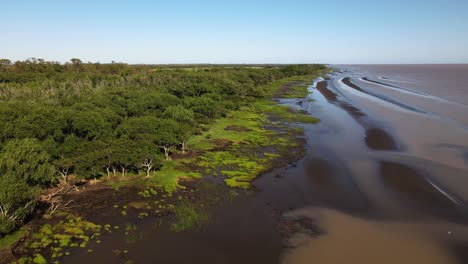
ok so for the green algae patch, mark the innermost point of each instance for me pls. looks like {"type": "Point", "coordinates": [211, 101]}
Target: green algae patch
{"type": "Point", "coordinates": [52, 241]}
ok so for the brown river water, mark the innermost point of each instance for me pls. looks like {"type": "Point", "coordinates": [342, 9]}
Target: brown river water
{"type": "Point", "coordinates": [384, 180]}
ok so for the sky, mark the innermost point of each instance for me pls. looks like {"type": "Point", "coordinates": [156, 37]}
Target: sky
{"type": "Point", "coordinates": [241, 31]}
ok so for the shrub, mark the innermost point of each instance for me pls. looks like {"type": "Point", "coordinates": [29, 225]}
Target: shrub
{"type": "Point", "coordinates": [7, 226]}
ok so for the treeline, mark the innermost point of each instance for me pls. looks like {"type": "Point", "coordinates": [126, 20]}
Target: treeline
{"type": "Point", "coordinates": [92, 120]}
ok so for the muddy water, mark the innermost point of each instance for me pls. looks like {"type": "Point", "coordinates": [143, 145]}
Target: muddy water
{"type": "Point", "coordinates": [404, 149]}
{"type": "Point", "coordinates": [384, 180]}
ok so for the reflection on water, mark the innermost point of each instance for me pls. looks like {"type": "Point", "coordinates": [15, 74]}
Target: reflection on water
{"type": "Point", "coordinates": [376, 138]}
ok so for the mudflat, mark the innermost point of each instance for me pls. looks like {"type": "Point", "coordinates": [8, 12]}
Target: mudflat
{"type": "Point", "coordinates": [387, 167]}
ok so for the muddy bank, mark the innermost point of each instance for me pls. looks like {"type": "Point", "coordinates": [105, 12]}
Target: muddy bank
{"type": "Point", "coordinates": [376, 137]}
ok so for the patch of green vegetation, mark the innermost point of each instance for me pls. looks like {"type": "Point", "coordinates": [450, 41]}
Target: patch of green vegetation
{"type": "Point", "coordinates": [225, 130]}
{"type": "Point", "coordinates": [243, 160]}
{"type": "Point", "coordinates": [275, 86]}
{"type": "Point", "coordinates": [198, 143]}
{"type": "Point", "coordinates": [8, 240]}
{"type": "Point", "coordinates": [303, 118]}
{"type": "Point", "coordinates": [168, 177]}
{"type": "Point", "coordinates": [147, 193]}
{"type": "Point", "coordinates": [284, 113]}
{"type": "Point", "coordinates": [296, 91]}
{"type": "Point", "coordinates": [51, 240]}
{"type": "Point", "coordinates": [39, 259]}
{"type": "Point", "coordinates": [188, 216]}
{"type": "Point", "coordinates": [143, 215]}
{"type": "Point", "coordinates": [239, 168]}
{"type": "Point", "coordinates": [130, 180]}
{"type": "Point", "coordinates": [165, 179]}
{"type": "Point", "coordinates": [232, 194]}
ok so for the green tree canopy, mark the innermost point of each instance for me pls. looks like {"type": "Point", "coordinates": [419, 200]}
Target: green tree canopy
{"type": "Point", "coordinates": [179, 114]}
{"type": "Point", "coordinates": [26, 159]}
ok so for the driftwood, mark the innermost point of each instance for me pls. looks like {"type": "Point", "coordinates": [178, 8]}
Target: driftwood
{"type": "Point", "coordinates": [54, 198]}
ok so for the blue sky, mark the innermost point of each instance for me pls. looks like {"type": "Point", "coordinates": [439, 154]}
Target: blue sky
{"type": "Point", "coordinates": [241, 31]}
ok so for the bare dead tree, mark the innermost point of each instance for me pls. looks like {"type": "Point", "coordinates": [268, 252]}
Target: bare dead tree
{"type": "Point", "coordinates": [54, 198]}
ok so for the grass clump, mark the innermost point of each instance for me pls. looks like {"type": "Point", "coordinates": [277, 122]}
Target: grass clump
{"type": "Point", "coordinates": [188, 216]}
{"type": "Point", "coordinates": [8, 240]}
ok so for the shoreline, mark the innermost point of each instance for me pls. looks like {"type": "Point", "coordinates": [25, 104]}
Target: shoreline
{"type": "Point", "coordinates": [275, 114]}
{"type": "Point", "coordinates": [289, 212]}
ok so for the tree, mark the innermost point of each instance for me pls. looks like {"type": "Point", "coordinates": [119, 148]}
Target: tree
{"type": "Point", "coordinates": [65, 166]}
{"type": "Point", "coordinates": [179, 113]}
{"type": "Point", "coordinates": [185, 131]}
{"type": "Point", "coordinates": [4, 63]}
{"type": "Point", "coordinates": [123, 154]}
{"type": "Point", "coordinates": [65, 154]}
{"type": "Point", "coordinates": [17, 200]}
{"type": "Point", "coordinates": [27, 160]}
{"type": "Point", "coordinates": [204, 105]}
{"type": "Point", "coordinates": [167, 135]}
{"type": "Point", "coordinates": [87, 165]}
{"type": "Point", "coordinates": [88, 158]}
{"type": "Point", "coordinates": [24, 164]}
{"type": "Point", "coordinates": [88, 124]}
{"type": "Point", "coordinates": [76, 62]}
{"type": "Point", "coordinates": [149, 157]}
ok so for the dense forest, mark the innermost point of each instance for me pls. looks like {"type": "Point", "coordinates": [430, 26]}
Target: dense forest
{"type": "Point", "coordinates": [68, 122]}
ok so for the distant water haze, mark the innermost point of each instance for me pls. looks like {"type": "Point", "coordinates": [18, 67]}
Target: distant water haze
{"type": "Point", "coordinates": [448, 81]}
